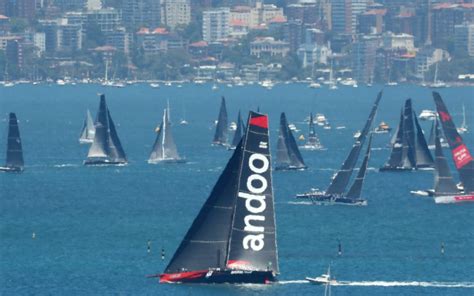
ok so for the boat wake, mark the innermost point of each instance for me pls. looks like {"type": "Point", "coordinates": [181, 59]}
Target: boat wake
{"type": "Point", "coordinates": [391, 284]}
{"type": "Point", "coordinates": [300, 203]}
{"type": "Point", "coordinates": [66, 165]}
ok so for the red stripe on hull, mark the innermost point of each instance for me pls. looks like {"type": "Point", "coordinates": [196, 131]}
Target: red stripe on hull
{"type": "Point", "coordinates": [464, 198]}
{"type": "Point", "coordinates": [178, 277]}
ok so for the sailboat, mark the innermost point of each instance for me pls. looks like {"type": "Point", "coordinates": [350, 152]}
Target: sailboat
{"type": "Point", "coordinates": [88, 130]}
{"type": "Point", "coordinates": [233, 238]}
{"type": "Point", "coordinates": [463, 160]}
{"type": "Point", "coordinates": [220, 136]}
{"type": "Point", "coordinates": [14, 160]}
{"type": "Point", "coordinates": [164, 149]}
{"type": "Point", "coordinates": [336, 192]}
{"type": "Point", "coordinates": [288, 154]}
{"type": "Point", "coordinates": [436, 83]}
{"type": "Point", "coordinates": [106, 148]}
{"type": "Point", "coordinates": [313, 142]}
{"type": "Point", "coordinates": [409, 149]}
{"type": "Point", "coordinates": [463, 128]}
{"type": "Point", "coordinates": [238, 132]}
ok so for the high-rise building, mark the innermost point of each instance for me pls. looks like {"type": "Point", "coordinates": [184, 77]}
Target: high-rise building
{"type": "Point", "coordinates": [341, 16]}
{"type": "Point", "coordinates": [19, 8]}
{"type": "Point", "coordinates": [363, 58]}
{"type": "Point", "coordinates": [141, 13]}
{"type": "Point", "coordinates": [69, 37]}
{"type": "Point", "coordinates": [215, 24]}
{"type": "Point", "coordinates": [444, 17]}
{"type": "Point", "coordinates": [108, 19]}
{"type": "Point", "coordinates": [464, 39]}
{"type": "Point", "coordinates": [175, 12]}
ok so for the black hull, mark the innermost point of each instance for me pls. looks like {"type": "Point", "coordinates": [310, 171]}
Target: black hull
{"type": "Point", "coordinates": [168, 161]}
{"type": "Point", "coordinates": [220, 277]}
{"type": "Point", "coordinates": [329, 199]}
{"type": "Point", "coordinates": [290, 168]}
{"type": "Point", "coordinates": [11, 169]}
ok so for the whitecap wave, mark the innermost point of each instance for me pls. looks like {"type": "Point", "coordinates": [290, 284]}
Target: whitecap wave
{"type": "Point", "coordinates": [66, 165]}
{"type": "Point", "coordinates": [391, 284]}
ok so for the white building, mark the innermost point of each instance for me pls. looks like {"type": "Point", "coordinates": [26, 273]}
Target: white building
{"type": "Point", "coordinates": [398, 41]}
{"type": "Point", "coordinates": [39, 41]}
{"type": "Point", "coordinates": [311, 53]}
{"type": "Point", "coordinates": [427, 57]}
{"type": "Point", "coordinates": [216, 24]}
{"type": "Point", "coordinates": [175, 12]}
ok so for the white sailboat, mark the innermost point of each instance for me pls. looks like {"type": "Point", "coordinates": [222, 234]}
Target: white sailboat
{"type": "Point", "coordinates": [463, 128]}
{"type": "Point", "coordinates": [436, 83]}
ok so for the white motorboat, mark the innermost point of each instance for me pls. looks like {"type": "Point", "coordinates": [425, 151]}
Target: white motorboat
{"type": "Point", "coordinates": [427, 115]}
{"type": "Point", "coordinates": [324, 279]}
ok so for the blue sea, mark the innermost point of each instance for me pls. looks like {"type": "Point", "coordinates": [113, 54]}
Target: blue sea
{"type": "Point", "coordinates": [91, 224]}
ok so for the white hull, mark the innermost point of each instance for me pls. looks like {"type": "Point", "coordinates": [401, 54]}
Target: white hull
{"type": "Point", "coordinates": [454, 199]}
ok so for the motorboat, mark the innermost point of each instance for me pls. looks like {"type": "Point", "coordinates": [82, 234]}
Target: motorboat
{"type": "Point", "coordinates": [427, 115]}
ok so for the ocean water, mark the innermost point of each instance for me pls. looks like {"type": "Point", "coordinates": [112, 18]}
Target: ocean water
{"type": "Point", "coordinates": [92, 224]}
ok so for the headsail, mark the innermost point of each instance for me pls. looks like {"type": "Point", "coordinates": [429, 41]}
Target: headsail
{"type": "Point", "coordinates": [220, 136]}
{"type": "Point", "coordinates": [238, 132]}
{"type": "Point", "coordinates": [444, 183]}
{"type": "Point", "coordinates": [164, 147]}
{"type": "Point", "coordinates": [463, 159]}
{"type": "Point", "coordinates": [408, 149]}
{"type": "Point", "coordinates": [288, 154]}
{"type": "Point", "coordinates": [356, 188]}
{"type": "Point", "coordinates": [312, 137]}
{"type": "Point", "coordinates": [14, 148]}
{"type": "Point", "coordinates": [342, 178]}
{"type": "Point", "coordinates": [422, 152]}
{"type": "Point", "coordinates": [397, 146]}
{"type": "Point", "coordinates": [88, 129]}
{"type": "Point", "coordinates": [116, 152]}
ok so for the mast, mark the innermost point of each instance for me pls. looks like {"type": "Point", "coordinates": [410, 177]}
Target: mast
{"type": "Point", "coordinates": [312, 137]}
{"type": "Point", "coordinates": [463, 159]}
{"type": "Point", "coordinates": [288, 154]}
{"type": "Point", "coordinates": [14, 148]}
{"type": "Point", "coordinates": [342, 178]}
{"type": "Point", "coordinates": [422, 152]}
{"type": "Point", "coordinates": [443, 180]}
{"type": "Point", "coordinates": [220, 136]}
{"type": "Point", "coordinates": [356, 188]}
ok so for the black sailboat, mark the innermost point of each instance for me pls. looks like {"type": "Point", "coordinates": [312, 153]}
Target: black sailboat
{"type": "Point", "coordinates": [288, 154]}
{"type": "Point", "coordinates": [164, 149]}
{"type": "Point", "coordinates": [106, 148]}
{"type": "Point", "coordinates": [233, 238]}
{"type": "Point", "coordinates": [238, 132]}
{"type": "Point", "coordinates": [88, 130]}
{"type": "Point", "coordinates": [423, 156]}
{"type": "Point", "coordinates": [14, 160]}
{"type": "Point", "coordinates": [220, 136]}
{"type": "Point", "coordinates": [463, 160]}
{"type": "Point", "coordinates": [409, 148]}
{"type": "Point", "coordinates": [336, 192]}
{"type": "Point", "coordinates": [313, 142]}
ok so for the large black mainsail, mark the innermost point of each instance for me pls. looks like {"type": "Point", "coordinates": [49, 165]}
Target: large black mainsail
{"type": "Point", "coordinates": [238, 132]}
{"type": "Point", "coordinates": [356, 188]}
{"type": "Point", "coordinates": [164, 149]}
{"type": "Point", "coordinates": [233, 238]}
{"type": "Point", "coordinates": [422, 152]}
{"type": "Point", "coordinates": [106, 148]}
{"type": "Point", "coordinates": [443, 181]}
{"type": "Point", "coordinates": [463, 159]}
{"type": "Point", "coordinates": [342, 178]}
{"type": "Point", "coordinates": [220, 136]}
{"type": "Point", "coordinates": [397, 146]}
{"type": "Point", "coordinates": [288, 154]}
{"type": "Point", "coordinates": [14, 160]}
{"type": "Point", "coordinates": [88, 130]}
